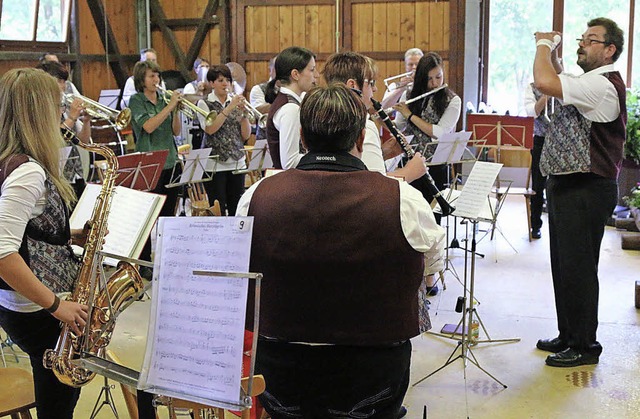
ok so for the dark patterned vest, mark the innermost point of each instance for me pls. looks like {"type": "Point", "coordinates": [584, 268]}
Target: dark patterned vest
{"type": "Point", "coordinates": [273, 135]}
{"type": "Point", "coordinates": [45, 247]}
{"type": "Point", "coordinates": [575, 144]}
{"type": "Point", "coordinates": [420, 141]}
{"type": "Point", "coordinates": [227, 141]}
{"type": "Point", "coordinates": [337, 266]}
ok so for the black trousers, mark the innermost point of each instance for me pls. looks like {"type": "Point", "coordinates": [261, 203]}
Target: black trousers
{"type": "Point", "coordinates": [227, 188]}
{"type": "Point", "coordinates": [538, 183]}
{"type": "Point", "coordinates": [314, 382]}
{"type": "Point", "coordinates": [34, 333]}
{"type": "Point", "coordinates": [439, 175]}
{"type": "Point", "coordinates": [579, 206]}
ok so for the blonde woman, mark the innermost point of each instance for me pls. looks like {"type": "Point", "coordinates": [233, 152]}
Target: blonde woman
{"type": "Point", "coordinates": [36, 262]}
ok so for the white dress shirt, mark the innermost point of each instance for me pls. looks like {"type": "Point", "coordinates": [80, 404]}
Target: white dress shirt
{"type": "Point", "coordinates": [287, 121]}
{"type": "Point", "coordinates": [592, 94]}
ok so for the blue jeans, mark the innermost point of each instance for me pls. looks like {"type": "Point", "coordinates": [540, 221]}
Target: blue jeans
{"type": "Point", "coordinates": [314, 382]}
{"type": "Point", "coordinates": [34, 333]}
{"type": "Point", "coordinates": [579, 206]}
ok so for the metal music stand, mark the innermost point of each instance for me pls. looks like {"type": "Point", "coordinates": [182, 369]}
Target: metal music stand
{"type": "Point", "coordinates": [140, 171]}
{"type": "Point", "coordinates": [196, 167]}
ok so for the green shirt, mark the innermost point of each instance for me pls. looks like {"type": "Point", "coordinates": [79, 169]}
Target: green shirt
{"type": "Point", "coordinates": [142, 109]}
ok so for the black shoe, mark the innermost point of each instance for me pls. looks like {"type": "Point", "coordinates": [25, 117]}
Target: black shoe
{"type": "Point", "coordinates": [535, 233]}
{"type": "Point", "coordinates": [554, 345]}
{"type": "Point", "coordinates": [402, 412]}
{"type": "Point", "coordinates": [431, 291]}
{"type": "Point", "coordinates": [146, 272]}
{"type": "Point", "coordinates": [571, 358]}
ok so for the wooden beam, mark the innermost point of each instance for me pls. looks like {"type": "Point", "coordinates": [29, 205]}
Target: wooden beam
{"type": "Point", "coordinates": [189, 23]}
{"type": "Point", "coordinates": [225, 31]}
{"type": "Point", "coordinates": [201, 32]}
{"type": "Point", "coordinates": [67, 58]}
{"type": "Point", "coordinates": [159, 18]}
{"type": "Point", "coordinates": [74, 42]}
{"type": "Point", "coordinates": [108, 41]}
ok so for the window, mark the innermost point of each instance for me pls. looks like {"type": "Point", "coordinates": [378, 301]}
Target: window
{"type": "Point", "coordinates": [512, 49]}
{"type": "Point", "coordinates": [35, 20]}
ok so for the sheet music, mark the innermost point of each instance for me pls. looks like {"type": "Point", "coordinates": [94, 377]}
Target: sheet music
{"type": "Point", "coordinates": [130, 219]}
{"type": "Point", "coordinates": [196, 334]}
{"type": "Point", "coordinates": [476, 189]}
{"type": "Point", "coordinates": [452, 195]}
{"type": "Point", "coordinates": [450, 147]}
{"type": "Point", "coordinates": [194, 165]}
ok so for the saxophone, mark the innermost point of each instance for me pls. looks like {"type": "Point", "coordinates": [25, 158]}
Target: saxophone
{"type": "Point", "coordinates": [104, 302]}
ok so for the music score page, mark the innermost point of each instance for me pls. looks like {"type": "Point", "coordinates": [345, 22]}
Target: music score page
{"type": "Point", "coordinates": [196, 331]}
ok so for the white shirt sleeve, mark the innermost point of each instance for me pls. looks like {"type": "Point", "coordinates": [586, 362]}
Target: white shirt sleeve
{"type": "Point", "coordinates": [449, 118]}
{"type": "Point", "coordinates": [371, 149]}
{"type": "Point", "coordinates": [287, 121]}
{"type": "Point", "coordinates": [127, 92]}
{"type": "Point", "coordinates": [530, 102]}
{"type": "Point", "coordinates": [256, 96]}
{"type": "Point", "coordinates": [592, 94]}
{"type": "Point", "coordinates": [420, 228]}
{"type": "Point", "coordinates": [245, 200]}
{"type": "Point", "coordinates": [22, 198]}
{"type": "Point", "coordinates": [189, 89]}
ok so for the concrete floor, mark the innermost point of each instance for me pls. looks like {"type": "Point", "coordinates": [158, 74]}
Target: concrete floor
{"type": "Point", "coordinates": [516, 300]}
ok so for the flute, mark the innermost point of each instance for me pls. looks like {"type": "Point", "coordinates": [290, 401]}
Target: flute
{"type": "Point", "coordinates": [426, 181]}
{"type": "Point", "coordinates": [422, 96]}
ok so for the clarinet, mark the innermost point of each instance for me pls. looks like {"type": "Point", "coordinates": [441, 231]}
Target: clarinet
{"type": "Point", "coordinates": [426, 181]}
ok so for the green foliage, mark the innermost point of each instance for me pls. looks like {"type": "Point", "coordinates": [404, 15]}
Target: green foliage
{"type": "Point", "coordinates": [633, 200]}
{"type": "Point", "coordinates": [632, 144]}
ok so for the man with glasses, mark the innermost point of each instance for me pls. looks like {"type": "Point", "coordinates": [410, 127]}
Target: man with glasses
{"type": "Point", "coordinates": [582, 156]}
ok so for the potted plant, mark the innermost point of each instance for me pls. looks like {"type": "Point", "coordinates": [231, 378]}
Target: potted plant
{"type": "Point", "coordinates": [630, 172]}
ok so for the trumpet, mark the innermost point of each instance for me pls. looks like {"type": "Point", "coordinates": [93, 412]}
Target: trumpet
{"type": "Point", "coordinates": [120, 119]}
{"type": "Point", "coordinates": [251, 113]}
{"type": "Point", "coordinates": [422, 96]}
{"type": "Point", "coordinates": [187, 108]}
{"type": "Point", "coordinates": [399, 76]}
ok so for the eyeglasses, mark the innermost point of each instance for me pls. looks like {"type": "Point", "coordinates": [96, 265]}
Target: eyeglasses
{"type": "Point", "coordinates": [371, 83]}
{"type": "Point", "coordinates": [356, 91]}
{"type": "Point", "coordinates": [588, 41]}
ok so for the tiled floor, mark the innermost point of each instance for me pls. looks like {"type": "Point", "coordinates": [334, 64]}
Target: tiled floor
{"type": "Point", "coordinates": [516, 300]}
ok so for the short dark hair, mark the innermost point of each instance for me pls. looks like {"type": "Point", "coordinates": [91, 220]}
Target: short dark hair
{"type": "Point", "coordinates": [614, 35]}
{"type": "Point", "coordinates": [140, 71]}
{"type": "Point", "coordinates": [332, 118]}
{"type": "Point", "coordinates": [343, 66]}
{"type": "Point", "coordinates": [54, 68]}
{"type": "Point", "coordinates": [217, 71]}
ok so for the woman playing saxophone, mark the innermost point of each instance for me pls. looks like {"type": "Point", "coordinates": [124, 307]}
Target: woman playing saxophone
{"type": "Point", "coordinates": [36, 262]}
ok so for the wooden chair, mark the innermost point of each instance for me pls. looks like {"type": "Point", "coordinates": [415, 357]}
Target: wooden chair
{"type": "Point", "coordinates": [16, 395]}
{"type": "Point", "coordinates": [515, 158]}
{"type": "Point", "coordinates": [258, 159]}
{"type": "Point", "coordinates": [200, 202]}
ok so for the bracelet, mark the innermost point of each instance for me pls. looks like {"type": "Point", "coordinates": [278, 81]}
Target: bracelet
{"type": "Point", "coordinates": [54, 306]}
{"type": "Point", "coordinates": [410, 116]}
{"type": "Point", "coordinates": [225, 115]}
{"type": "Point", "coordinates": [547, 43]}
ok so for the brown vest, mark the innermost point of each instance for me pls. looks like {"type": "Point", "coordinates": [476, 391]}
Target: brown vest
{"type": "Point", "coordinates": [337, 266]}
{"type": "Point", "coordinates": [273, 135]}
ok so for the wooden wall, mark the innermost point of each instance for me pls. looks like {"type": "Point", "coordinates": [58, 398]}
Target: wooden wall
{"type": "Point", "coordinates": [383, 30]}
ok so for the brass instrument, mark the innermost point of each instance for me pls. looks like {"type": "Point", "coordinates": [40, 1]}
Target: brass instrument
{"type": "Point", "coordinates": [398, 85]}
{"type": "Point", "coordinates": [105, 302]}
{"type": "Point", "coordinates": [422, 96]}
{"type": "Point", "coordinates": [187, 108]}
{"type": "Point", "coordinates": [251, 113]}
{"type": "Point", "coordinates": [120, 119]}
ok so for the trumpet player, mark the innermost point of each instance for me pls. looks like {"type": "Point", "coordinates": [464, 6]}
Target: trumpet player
{"type": "Point", "coordinates": [74, 118]}
{"type": "Point", "coordinates": [155, 121]}
{"type": "Point", "coordinates": [396, 89]}
{"type": "Point", "coordinates": [226, 136]}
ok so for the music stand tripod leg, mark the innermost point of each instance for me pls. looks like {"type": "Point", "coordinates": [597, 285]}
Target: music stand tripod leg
{"type": "Point", "coordinates": [108, 400]}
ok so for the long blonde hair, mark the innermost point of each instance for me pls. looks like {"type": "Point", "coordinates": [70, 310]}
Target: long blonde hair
{"type": "Point", "coordinates": [30, 122]}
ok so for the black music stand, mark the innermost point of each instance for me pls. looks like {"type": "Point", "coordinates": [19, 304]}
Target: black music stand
{"type": "Point", "coordinates": [196, 167]}
{"type": "Point", "coordinates": [141, 171]}
{"type": "Point", "coordinates": [478, 186]}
